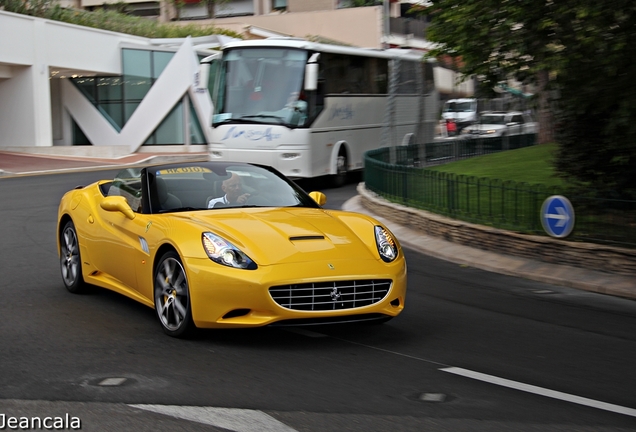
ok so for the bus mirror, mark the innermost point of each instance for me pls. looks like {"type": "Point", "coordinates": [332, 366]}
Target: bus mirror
{"type": "Point", "coordinates": [204, 75]}
{"type": "Point", "coordinates": [311, 76]}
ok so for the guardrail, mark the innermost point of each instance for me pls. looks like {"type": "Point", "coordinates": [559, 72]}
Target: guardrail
{"type": "Point", "coordinates": [400, 174]}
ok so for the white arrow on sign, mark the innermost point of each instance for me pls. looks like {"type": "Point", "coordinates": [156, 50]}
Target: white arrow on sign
{"type": "Point", "coordinates": [563, 217]}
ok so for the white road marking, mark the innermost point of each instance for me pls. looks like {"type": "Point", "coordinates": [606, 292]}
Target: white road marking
{"type": "Point", "coordinates": [112, 382]}
{"type": "Point", "coordinates": [514, 384]}
{"type": "Point", "coordinates": [234, 419]}
{"type": "Point", "coordinates": [541, 391]}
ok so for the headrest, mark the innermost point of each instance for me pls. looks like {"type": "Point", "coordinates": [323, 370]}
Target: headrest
{"type": "Point", "coordinates": [162, 190]}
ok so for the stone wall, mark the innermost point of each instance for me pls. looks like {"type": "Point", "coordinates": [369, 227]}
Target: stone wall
{"type": "Point", "coordinates": [547, 249]}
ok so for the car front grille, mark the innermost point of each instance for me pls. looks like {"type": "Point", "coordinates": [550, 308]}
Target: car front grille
{"type": "Point", "coordinates": [324, 296]}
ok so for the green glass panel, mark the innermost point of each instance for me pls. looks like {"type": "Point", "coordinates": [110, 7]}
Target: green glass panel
{"type": "Point", "coordinates": [87, 87]}
{"type": "Point", "coordinates": [160, 60]}
{"type": "Point", "coordinates": [170, 131]}
{"type": "Point", "coordinates": [196, 133]}
{"type": "Point", "coordinates": [137, 73]}
{"type": "Point", "coordinates": [78, 136]}
{"type": "Point", "coordinates": [109, 89]}
{"type": "Point", "coordinates": [129, 109]}
{"type": "Point", "coordinates": [136, 62]}
{"type": "Point", "coordinates": [115, 112]}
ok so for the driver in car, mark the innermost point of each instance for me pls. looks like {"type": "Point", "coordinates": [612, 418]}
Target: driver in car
{"type": "Point", "coordinates": [233, 188]}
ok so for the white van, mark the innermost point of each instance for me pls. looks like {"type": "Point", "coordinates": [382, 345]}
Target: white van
{"type": "Point", "coordinates": [462, 111]}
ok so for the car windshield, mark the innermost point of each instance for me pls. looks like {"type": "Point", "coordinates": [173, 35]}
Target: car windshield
{"type": "Point", "coordinates": [459, 107]}
{"type": "Point", "coordinates": [203, 186]}
{"type": "Point", "coordinates": [492, 119]}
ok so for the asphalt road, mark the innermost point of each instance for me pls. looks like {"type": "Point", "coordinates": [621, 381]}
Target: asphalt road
{"type": "Point", "coordinates": [472, 351]}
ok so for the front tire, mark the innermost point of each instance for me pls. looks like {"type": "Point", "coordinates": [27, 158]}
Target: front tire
{"type": "Point", "coordinates": [172, 296]}
{"type": "Point", "coordinates": [70, 259]}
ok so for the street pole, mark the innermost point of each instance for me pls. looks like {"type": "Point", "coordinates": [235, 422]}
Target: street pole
{"type": "Point", "coordinates": [386, 12]}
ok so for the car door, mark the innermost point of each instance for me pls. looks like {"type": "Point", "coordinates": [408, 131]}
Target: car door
{"type": "Point", "coordinates": [516, 125]}
{"type": "Point", "coordinates": [529, 126]}
{"type": "Point", "coordinates": [117, 237]}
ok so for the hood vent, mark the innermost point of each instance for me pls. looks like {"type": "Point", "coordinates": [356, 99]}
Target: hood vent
{"type": "Point", "coordinates": [307, 237]}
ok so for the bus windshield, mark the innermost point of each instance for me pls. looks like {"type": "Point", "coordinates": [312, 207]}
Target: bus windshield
{"type": "Point", "coordinates": [262, 85]}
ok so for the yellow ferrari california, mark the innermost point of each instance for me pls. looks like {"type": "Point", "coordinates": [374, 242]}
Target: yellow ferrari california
{"type": "Point", "coordinates": [228, 245]}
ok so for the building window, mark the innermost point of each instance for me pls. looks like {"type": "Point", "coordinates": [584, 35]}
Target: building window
{"type": "Point", "coordinates": [117, 98]}
{"type": "Point", "coordinates": [170, 131]}
{"type": "Point", "coordinates": [279, 4]}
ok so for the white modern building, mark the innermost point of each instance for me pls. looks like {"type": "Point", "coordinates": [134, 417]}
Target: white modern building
{"type": "Point", "coordinates": [64, 85]}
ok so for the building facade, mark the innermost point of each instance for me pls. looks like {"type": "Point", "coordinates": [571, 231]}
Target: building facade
{"type": "Point", "coordinates": [64, 85]}
{"type": "Point", "coordinates": [388, 24]}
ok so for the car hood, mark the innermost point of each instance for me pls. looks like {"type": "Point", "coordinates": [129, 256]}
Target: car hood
{"type": "Point", "coordinates": [288, 235]}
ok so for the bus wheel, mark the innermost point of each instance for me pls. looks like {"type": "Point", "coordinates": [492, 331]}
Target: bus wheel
{"type": "Point", "coordinates": [340, 179]}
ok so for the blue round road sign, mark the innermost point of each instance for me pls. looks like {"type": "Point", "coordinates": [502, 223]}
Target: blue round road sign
{"type": "Point", "coordinates": [557, 216]}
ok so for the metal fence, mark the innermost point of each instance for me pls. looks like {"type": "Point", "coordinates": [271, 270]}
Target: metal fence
{"type": "Point", "coordinates": [448, 150]}
{"type": "Point", "coordinates": [400, 174]}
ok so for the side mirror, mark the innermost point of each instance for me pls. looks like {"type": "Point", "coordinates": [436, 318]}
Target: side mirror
{"type": "Point", "coordinates": [311, 76]}
{"type": "Point", "coordinates": [117, 203]}
{"type": "Point", "coordinates": [319, 197]}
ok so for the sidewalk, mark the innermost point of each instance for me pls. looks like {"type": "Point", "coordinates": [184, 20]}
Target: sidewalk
{"type": "Point", "coordinates": [12, 164]}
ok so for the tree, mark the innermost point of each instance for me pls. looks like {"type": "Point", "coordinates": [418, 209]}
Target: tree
{"type": "Point", "coordinates": [579, 54]}
{"type": "Point", "coordinates": [495, 40]}
{"type": "Point", "coordinates": [597, 105]}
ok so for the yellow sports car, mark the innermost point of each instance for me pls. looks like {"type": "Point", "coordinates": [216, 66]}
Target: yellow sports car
{"type": "Point", "coordinates": [228, 245]}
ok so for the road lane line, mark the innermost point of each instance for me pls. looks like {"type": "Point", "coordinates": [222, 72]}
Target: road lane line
{"type": "Point", "coordinates": [234, 419]}
{"type": "Point", "coordinates": [511, 384]}
{"type": "Point", "coordinates": [541, 391]}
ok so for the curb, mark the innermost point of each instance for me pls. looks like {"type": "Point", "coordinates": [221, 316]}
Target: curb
{"type": "Point", "coordinates": [555, 274]}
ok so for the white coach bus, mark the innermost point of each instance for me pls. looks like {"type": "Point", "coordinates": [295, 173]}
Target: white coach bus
{"type": "Point", "coordinates": [312, 109]}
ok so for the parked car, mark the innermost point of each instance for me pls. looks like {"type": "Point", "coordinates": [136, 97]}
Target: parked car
{"type": "Point", "coordinates": [228, 245]}
{"type": "Point", "coordinates": [495, 124]}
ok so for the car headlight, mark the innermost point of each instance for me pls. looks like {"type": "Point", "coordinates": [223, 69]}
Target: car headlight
{"type": "Point", "coordinates": [387, 248]}
{"type": "Point", "coordinates": [225, 253]}
{"type": "Point", "coordinates": [490, 131]}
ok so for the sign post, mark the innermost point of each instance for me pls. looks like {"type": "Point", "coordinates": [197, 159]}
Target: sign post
{"type": "Point", "coordinates": [557, 216]}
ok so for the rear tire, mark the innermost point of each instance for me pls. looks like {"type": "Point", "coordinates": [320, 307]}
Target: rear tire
{"type": "Point", "coordinates": [70, 259]}
{"type": "Point", "coordinates": [342, 174]}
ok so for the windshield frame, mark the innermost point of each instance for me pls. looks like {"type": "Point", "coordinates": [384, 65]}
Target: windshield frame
{"type": "Point", "coordinates": [457, 107]}
{"type": "Point", "coordinates": [212, 174]}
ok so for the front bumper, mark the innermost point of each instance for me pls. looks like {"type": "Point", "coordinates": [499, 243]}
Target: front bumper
{"type": "Point", "coordinates": [223, 297]}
